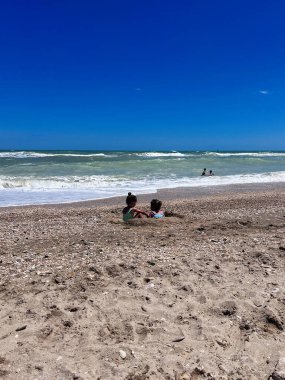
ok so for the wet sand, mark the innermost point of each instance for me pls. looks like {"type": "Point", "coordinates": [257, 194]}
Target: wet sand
{"type": "Point", "coordinates": [196, 296]}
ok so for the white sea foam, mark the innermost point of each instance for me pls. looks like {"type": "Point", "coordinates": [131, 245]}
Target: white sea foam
{"type": "Point", "coordinates": [214, 154]}
{"type": "Point", "coordinates": [59, 182]}
{"type": "Point", "coordinates": [20, 191]}
{"type": "Point", "coordinates": [25, 154]}
{"type": "Point", "coordinates": [22, 154]}
{"type": "Point", "coordinates": [245, 154]}
{"type": "Point", "coordinates": [106, 183]}
{"type": "Point", "coordinates": [162, 154]}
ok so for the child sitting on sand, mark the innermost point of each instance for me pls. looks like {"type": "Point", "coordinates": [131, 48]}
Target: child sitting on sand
{"type": "Point", "coordinates": [130, 211]}
{"type": "Point", "coordinates": [155, 206]}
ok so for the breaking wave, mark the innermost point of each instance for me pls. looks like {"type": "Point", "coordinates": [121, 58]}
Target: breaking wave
{"type": "Point", "coordinates": [162, 154]}
{"type": "Point", "coordinates": [25, 154]}
{"type": "Point", "coordinates": [26, 191]}
{"type": "Point", "coordinates": [245, 154]}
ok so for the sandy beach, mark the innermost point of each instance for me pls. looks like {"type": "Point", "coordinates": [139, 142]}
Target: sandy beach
{"type": "Point", "coordinates": [199, 295]}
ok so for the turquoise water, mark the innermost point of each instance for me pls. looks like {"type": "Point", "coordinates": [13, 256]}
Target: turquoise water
{"type": "Point", "coordinates": [36, 177]}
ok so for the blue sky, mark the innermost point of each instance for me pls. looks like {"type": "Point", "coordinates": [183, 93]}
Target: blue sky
{"type": "Point", "coordinates": [148, 75]}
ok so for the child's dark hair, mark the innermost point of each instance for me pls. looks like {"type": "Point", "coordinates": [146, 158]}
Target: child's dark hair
{"type": "Point", "coordinates": [155, 205]}
{"type": "Point", "coordinates": [131, 198]}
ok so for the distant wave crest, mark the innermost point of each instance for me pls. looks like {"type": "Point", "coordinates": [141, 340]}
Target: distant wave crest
{"type": "Point", "coordinates": [170, 154]}
{"type": "Point", "coordinates": [25, 154]}
{"type": "Point", "coordinates": [245, 154]}
{"type": "Point", "coordinates": [161, 154]}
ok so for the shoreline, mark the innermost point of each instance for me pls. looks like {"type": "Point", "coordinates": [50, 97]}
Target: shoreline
{"type": "Point", "coordinates": [166, 194]}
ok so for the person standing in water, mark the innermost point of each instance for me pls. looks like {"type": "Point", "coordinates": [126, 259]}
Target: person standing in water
{"type": "Point", "coordinates": [204, 171]}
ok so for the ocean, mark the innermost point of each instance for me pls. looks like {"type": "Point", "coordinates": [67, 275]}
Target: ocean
{"type": "Point", "coordinates": [44, 177]}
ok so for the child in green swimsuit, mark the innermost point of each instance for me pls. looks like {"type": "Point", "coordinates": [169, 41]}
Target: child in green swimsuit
{"type": "Point", "coordinates": [130, 211]}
